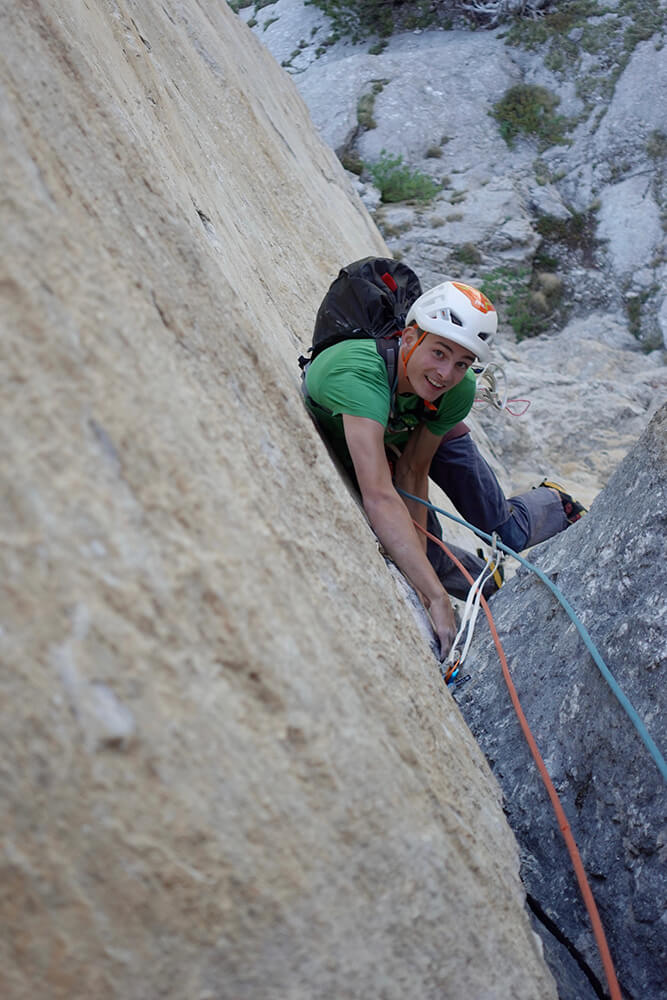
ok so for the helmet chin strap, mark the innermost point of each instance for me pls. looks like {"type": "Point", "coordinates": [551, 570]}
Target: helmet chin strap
{"type": "Point", "coordinates": [406, 357]}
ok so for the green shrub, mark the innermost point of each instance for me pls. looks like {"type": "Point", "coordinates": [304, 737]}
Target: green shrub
{"type": "Point", "coordinates": [656, 145]}
{"type": "Point", "coordinates": [366, 105]}
{"type": "Point", "coordinates": [510, 292]}
{"type": "Point", "coordinates": [577, 232]}
{"type": "Point", "coordinates": [352, 162]}
{"type": "Point", "coordinates": [533, 32]}
{"type": "Point", "coordinates": [529, 109]}
{"type": "Point", "coordinates": [633, 308]}
{"type": "Point", "coordinates": [397, 182]}
{"type": "Point", "coordinates": [363, 19]}
{"type": "Point", "coordinates": [610, 42]}
{"type": "Point", "coordinates": [468, 254]}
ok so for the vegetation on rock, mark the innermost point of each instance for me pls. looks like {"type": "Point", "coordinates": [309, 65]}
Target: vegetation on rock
{"type": "Point", "coordinates": [530, 110]}
{"type": "Point", "coordinates": [398, 182]}
{"type": "Point", "coordinates": [590, 41]}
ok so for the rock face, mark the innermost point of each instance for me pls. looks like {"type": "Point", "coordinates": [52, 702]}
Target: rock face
{"type": "Point", "coordinates": [229, 767]}
{"type": "Point", "coordinates": [611, 789]}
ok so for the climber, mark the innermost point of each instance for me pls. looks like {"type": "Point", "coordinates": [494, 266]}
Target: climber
{"type": "Point", "coordinates": [399, 438]}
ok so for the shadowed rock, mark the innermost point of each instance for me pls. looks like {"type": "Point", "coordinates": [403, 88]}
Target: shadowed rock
{"type": "Point", "coordinates": [610, 567]}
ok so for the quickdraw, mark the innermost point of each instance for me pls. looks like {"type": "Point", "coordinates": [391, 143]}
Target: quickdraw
{"type": "Point", "coordinates": [451, 669]}
{"type": "Point", "coordinates": [492, 388]}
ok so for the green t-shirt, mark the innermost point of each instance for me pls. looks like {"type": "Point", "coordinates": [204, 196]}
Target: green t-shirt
{"type": "Point", "coordinates": [351, 377]}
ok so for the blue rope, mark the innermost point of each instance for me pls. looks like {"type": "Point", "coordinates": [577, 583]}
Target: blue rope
{"type": "Point", "coordinates": [601, 665]}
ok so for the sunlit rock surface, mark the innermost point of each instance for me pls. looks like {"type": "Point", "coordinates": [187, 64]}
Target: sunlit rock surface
{"type": "Point", "coordinates": [229, 766]}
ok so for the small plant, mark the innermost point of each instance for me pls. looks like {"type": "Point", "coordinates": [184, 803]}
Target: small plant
{"type": "Point", "coordinates": [533, 32]}
{"type": "Point", "coordinates": [529, 109]}
{"type": "Point", "coordinates": [542, 172]}
{"type": "Point", "coordinates": [576, 232]}
{"type": "Point", "coordinates": [509, 290]}
{"type": "Point", "coordinates": [363, 19]}
{"type": "Point", "coordinates": [397, 182]}
{"type": "Point", "coordinates": [467, 254]}
{"type": "Point", "coordinates": [434, 152]}
{"type": "Point", "coordinates": [656, 145]}
{"type": "Point", "coordinates": [633, 308]}
{"type": "Point", "coordinates": [390, 230]}
{"type": "Point", "coordinates": [353, 163]}
{"type": "Point", "coordinates": [571, 28]}
{"type": "Point", "coordinates": [366, 106]}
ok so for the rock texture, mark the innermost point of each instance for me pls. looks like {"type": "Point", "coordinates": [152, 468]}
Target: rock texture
{"type": "Point", "coordinates": [591, 394]}
{"type": "Point", "coordinates": [611, 789]}
{"type": "Point", "coordinates": [229, 768]}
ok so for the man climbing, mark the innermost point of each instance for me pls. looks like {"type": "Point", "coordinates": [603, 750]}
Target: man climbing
{"type": "Point", "coordinates": [397, 436]}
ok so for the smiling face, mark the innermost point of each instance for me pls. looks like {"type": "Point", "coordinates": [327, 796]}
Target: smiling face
{"type": "Point", "coordinates": [432, 365]}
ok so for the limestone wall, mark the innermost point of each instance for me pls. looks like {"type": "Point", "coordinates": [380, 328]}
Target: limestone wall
{"type": "Point", "coordinates": [229, 768]}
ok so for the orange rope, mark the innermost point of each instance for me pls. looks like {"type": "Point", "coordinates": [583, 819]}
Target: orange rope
{"type": "Point", "coordinates": [589, 901]}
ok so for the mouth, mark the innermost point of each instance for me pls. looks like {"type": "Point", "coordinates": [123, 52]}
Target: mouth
{"type": "Point", "coordinates": [436, 385]}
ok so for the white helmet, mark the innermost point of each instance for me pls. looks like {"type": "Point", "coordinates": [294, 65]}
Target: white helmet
{"type": "Point", "coordinates": [457, 312]}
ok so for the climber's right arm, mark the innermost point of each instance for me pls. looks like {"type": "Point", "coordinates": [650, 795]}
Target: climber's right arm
{"type": "Point", "coordinates": [391, 522]}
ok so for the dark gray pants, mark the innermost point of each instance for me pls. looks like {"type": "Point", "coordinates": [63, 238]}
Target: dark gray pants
{"type": "Point", "coordinates": [520, 521]}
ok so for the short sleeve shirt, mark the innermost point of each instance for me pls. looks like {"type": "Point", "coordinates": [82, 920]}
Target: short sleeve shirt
{"type": "Point", "coordinates": [351, 377]}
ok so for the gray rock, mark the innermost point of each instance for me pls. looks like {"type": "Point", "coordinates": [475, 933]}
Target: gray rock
{"type": "Point", "coordinates": [630, 207]}
{"type": "Point", "coordinates": [610, 787]}
{"type": "Point", "coordinates": [662, 319]}
{"type": "Point", "coordinates": [584, 414]}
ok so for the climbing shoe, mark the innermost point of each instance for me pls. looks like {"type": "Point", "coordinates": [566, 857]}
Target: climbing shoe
{"type": "Point", "coordinates": [572, 508]}
{"type": "Point", "coordinates": [497, 571]}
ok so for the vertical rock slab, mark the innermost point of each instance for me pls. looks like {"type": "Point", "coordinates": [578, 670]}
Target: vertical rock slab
{"type": "Point", "coordinates": [229, 769]}
{"type": "Point", "coordinates": [609, 566]}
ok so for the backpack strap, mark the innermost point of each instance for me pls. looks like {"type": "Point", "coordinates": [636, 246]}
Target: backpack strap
{"type": "Point", "coordinates": [387, 348]}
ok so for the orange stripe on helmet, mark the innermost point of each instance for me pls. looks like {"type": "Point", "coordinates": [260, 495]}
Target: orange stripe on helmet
{"type": "Point", "coordinates": [478, 299]}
